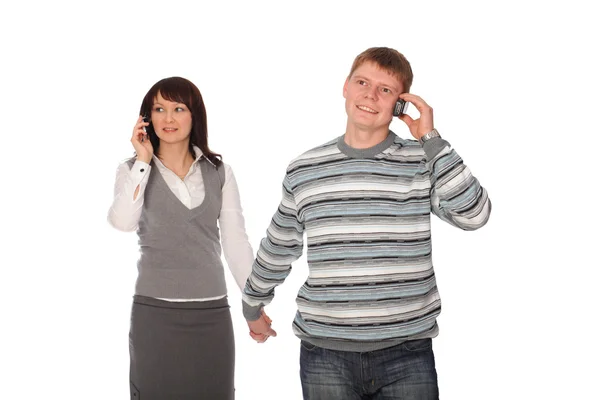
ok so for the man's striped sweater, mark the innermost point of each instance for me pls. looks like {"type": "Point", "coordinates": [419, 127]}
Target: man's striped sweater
{"type": "Point", "coordinates": [366, 215]}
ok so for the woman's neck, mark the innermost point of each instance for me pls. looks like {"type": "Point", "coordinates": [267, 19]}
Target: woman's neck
{"type": "Point", "coordinates": [175, 156]}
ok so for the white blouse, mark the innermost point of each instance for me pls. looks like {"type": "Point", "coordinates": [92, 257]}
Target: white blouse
{"type": "Point", "coordinates": [125, 212]}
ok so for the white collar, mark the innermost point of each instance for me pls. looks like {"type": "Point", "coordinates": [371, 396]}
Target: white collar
{"type": "Point", "coordinates": [198, 153]}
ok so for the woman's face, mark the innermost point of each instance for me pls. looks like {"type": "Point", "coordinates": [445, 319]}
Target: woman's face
{"type": "Point", "coordinates": [172, 121]}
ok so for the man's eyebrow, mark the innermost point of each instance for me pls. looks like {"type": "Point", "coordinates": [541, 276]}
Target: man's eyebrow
{"type": "Point", "coordinates": [391, 86]}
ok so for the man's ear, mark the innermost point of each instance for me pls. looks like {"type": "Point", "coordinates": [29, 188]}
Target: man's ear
{"type": "Point", "coordinates": [345, 87]}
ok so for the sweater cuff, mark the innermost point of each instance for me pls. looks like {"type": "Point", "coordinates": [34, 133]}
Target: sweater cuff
{"type": "Point", "coordinates": [251, 313]}
{"type": "Point", "coordinates": [434, 146]}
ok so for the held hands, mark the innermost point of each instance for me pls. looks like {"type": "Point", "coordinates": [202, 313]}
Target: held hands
{"type": "Point", "coordinates": [141, 141]}
{"type": "Point", "coordinates": [260, 330]}
{"type": "Point", "coordinates": [422, 125]}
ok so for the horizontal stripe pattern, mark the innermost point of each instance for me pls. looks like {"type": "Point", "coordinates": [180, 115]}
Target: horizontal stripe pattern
{"type": "Point", "coordinates": [368, 230]}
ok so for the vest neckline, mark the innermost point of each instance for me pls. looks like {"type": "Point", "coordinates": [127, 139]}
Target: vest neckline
{"type": "Point", "coordinates": [190, 212]}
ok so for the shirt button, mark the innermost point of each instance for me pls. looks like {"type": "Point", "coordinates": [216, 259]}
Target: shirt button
{"type": "Point", "coordinates": [142, 170]}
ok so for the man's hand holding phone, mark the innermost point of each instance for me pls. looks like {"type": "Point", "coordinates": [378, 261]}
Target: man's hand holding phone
{"type": "Point", "coordinates": [422, 125]}
{"type": "Point", "coordinates": [141, 142]}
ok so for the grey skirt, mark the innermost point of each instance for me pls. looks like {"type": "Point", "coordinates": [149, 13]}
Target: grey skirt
{"type": "Point", "coordinates": [181, 350]}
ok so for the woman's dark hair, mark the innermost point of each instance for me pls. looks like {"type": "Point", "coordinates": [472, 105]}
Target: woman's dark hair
{"type": "Point", "coordinates": [181, 90]}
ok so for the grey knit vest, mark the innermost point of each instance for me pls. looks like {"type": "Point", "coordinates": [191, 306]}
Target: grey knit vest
{"type": "Point", "coordinates": [181, 247]}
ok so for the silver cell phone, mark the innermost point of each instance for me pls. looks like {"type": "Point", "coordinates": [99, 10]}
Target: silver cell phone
{"type": "Point", "coordinates": [400, 107]}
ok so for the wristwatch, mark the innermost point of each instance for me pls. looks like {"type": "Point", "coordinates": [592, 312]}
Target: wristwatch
{"type": "Point", "coordinates": [429, 135]}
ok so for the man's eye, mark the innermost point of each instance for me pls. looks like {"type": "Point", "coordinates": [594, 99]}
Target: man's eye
{"type": "Point", "coordinates": [386, 90]}
{"type": "Point", "coordinates": [361, 82]}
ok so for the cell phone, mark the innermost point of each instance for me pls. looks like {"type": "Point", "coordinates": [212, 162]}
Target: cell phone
{"type": "Point", "coordinates": [145, 119]}
{"type": "Point", "coordinates": [400, 107]}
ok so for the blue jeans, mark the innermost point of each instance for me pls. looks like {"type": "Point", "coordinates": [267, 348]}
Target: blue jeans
{"type": "Point", "coordinates": [406, 371]}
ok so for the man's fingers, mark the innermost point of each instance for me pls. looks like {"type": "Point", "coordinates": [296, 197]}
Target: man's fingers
{"type": "Point", "coordinates": [259, 337]}
{"type": "Point", "coordinates": [256, 336]}
{"type": "Point", "coordinates": [260, 330]}
{"type": "Point", "coordinates": [263, 330]}
{"type": "Point", "coordinates": [269, 320]}
{"type": "Point", "coordinates": [407, 119]}
{"type": "Point", "coordinates": [417, 101]}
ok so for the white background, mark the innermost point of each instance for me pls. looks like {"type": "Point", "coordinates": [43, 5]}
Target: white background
{"type": "Point", "coordinates": [514, 89]}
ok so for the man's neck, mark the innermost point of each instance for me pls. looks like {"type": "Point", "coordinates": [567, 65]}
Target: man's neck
{"type": "Point", "coordinates": [359, 138]}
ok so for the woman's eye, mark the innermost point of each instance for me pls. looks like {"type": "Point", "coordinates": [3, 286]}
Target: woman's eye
{"type": "Point", "coordinates": [180, 109]}
{"type": "Point", "coordinates": [158, 109]}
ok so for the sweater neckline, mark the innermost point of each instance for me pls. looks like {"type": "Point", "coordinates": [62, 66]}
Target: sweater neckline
{"type": "Point", "coordinates": [369, 152]}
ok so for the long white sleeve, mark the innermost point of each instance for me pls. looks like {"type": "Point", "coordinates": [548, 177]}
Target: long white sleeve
{"type": "Point", "coordinates": [124, 213]}
{"type": "Point", "coordinates": [236, 247]}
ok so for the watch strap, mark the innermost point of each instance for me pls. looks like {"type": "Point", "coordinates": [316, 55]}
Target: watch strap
{"type": "Point", "coordinates": [429, 135]}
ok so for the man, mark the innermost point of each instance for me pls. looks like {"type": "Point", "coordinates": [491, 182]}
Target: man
{"type": "Point", "coordinates": [367, 313]}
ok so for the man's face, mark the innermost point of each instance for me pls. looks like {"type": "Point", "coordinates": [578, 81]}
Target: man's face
{"type": "Point", "coordinates": [371, 93]}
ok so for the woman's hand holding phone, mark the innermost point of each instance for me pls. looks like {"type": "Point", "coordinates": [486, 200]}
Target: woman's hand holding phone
{"type": "Point", "coordinates": [141, 142]}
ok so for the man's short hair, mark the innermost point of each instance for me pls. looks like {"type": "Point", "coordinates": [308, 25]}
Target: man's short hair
{"type": "Point", "coordinates": [389, 60]}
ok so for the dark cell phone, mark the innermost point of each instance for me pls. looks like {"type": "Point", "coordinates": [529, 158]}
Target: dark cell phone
{"type": "Point", "coordinates": [400, 107]}
{"type": "Point", "coordinates": [145, 119]}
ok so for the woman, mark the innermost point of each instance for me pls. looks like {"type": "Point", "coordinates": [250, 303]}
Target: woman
{"type": "Point", "coordinates": [174, 192]}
